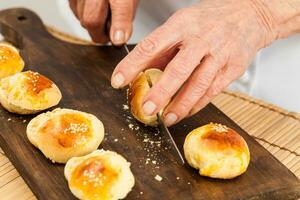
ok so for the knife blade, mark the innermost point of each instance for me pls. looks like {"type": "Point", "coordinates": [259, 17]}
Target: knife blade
{"type": "Point", "coordinates": [165, 131]}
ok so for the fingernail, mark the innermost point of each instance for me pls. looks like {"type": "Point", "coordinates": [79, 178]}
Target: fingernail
{"type": "Point", "coordinates": [170, 119]}
{"type": "Point", "coordinates": [117, 80]}
{"type": "Point", "coordinates": [119, 37]}
{"type": "Point", "coordinates": [149, 107]}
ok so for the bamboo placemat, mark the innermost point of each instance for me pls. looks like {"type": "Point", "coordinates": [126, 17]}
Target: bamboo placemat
{"type": "Point", "coordinates": [275, 128]}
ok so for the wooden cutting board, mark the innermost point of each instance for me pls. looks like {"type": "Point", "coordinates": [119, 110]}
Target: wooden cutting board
{"type": "Point", "coordinates": [83, 75]}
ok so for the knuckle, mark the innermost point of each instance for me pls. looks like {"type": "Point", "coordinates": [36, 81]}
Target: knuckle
{"type": "Point", "coordinates": [214, 91]}
{"type": "Point", "coordinates": [89, 23]}
{"type": "Point", "coordinates": [121, 6]}
{"type": "Point", "coordinates": [201, 85]}
{"type": "Point", "coordinates": [114, 3]}
{"type": "Point", "coordinates": [179, 71]}
{"type": "Point", "coordinates": [183, 107]}
{"type": "Point", "coordinates": [163, 92]}
{"type": "Point", "coordinates": [121, 15]}
{"type": "Point", "coordinates": [146, 47]}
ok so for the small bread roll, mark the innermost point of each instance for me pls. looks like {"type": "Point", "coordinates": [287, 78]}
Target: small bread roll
{"type": "Point", "coordinates": [64, 133]}
{"type": "Point", "coordinates": [217, 151]}
{"type": "Point", "coordinates": [137, 91]}
{"type": "Point", "coordinates": [101, 175]}
{"type": "Point", "coordinates": [28, 92]}
{"type": "Point", "coordinates": [10, 60]}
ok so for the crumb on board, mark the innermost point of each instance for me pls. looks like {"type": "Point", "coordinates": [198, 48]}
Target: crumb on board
{"type": "Point", "coordinates": [24, 121]}
{"type": "Point", "coordinates": [130, 126]}
{"type": "Point", "coordinates": [116, 140]}
{"type": "Point", "coordinates": [189, 183]}
{"type": "Point", "coordinates": [141, 193]}
{"type": "Point", "coordinates": [125, 107]}
{"type": "Point", "coordinates": [9, 119]}
{"type": "Point", "coordinates": [177, 178]}
{"type": "Point", "coordinates": [147, 160]}
{"type": "Point", "coordinates": [158, 177]}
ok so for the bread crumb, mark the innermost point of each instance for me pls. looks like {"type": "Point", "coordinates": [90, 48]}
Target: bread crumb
{"type": "Point", "coordinates": [130, 126]}
{"type": "Point", "coordinates": [116, 140]}
{"type": "Point", "coordinates": [24, 120]}
{"type": "Point", "coordinates": [158, 178]}
{"type": "Point", "coordinates": [177, 178]}
{"type": "Point", "coordinates": [141, 193]}
{"type": "Point", "coordinates": [147, 161]}
{"type": "Point", "coordinates": [125, 107]}
{"type": "Point", "coordinates": [9, 119]}
{"type": "Point", "coordinates": [189, 183]}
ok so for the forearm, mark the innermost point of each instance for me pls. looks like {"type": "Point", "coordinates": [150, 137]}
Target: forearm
{"type": "Point", "coordinates": [281, 18]}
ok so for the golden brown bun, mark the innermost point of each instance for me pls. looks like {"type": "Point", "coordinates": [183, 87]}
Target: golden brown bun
{"type": "Point", "coordinates": [101, 175]}
{"type": "Point", "coordinates": [64, 133]}
{"type": "Point", "coordinates": [10, 60]}
{"type": "Point", "coordinates": [28, 92]}
{"type": "Point", "coordinates": [217, 151]}
{"type": "Point", "coordinates": [137, 91]}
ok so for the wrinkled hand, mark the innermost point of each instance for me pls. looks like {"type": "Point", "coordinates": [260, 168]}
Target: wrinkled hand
{"type": "Point", "coordinates": [201, 49]}
{"type": "Point", "coordinates": [94, 15]}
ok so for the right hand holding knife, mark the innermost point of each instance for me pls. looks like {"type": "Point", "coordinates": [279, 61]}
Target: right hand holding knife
{"type": "Point", "coordinates": [94, 15]}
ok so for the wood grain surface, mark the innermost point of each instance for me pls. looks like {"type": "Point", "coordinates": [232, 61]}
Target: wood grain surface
{"type": "Point", "coordinates": [83, 75]}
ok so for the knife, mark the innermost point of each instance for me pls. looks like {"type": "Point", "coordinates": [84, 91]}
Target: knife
{"type": "Point", "coordinates": [165, 131]}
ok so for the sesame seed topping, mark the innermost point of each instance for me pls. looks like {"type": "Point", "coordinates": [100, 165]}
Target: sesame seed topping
{"type": "Point", "coordinates": [220, 128]}
{"type": "Point", "coordinates": [76, 128]}
{"type": "Point", "coordinates": [158, 178]}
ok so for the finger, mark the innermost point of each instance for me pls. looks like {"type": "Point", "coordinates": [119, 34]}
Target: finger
{"type": "Point", "coordinates": [73, 6]}
{"type": "Point", "coordinates": [94, 18]}
{"type": "Point", "coordinates": [122, 13]}
{"type": "Point", "coordinates": [152, 47]}
{"type": "Point", "coordinates": [192, 91]}
{"type": "Point", "coordinates": [174, 76]}
{"type": "Point", "coordinates": [222, 80]}
{"type": "Point", "coordinates": [80, 7]}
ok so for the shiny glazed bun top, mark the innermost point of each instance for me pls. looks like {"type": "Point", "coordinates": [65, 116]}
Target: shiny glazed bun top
{"type": "Point", "coordinates": [10, 60]}
{"type": "Point", "coordinates": [28, 92]}
{"type": "Point", "coordinates": [101, 175]}
{"type": "Point", "coordinates": [217, 151]}
{"type": "Point", "coordinates": [64, 133]}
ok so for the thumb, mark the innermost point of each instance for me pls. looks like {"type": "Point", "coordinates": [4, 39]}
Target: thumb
{"type": "Point", "coordinates": [122, 14]}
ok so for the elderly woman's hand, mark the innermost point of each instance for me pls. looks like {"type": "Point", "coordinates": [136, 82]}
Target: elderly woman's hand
{"type": "Point", "coordinates": [94, 16]}
{"type": "Point", "coordinates": [202, 49]}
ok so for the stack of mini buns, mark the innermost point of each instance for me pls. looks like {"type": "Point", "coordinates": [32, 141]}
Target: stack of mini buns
{"type": "Point", "coordinates": [63, 135]}
{"type": "Point", "coordinates": [73, 137]}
